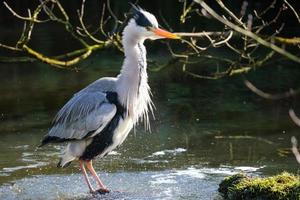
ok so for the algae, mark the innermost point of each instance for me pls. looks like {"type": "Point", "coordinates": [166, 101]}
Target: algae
{"type": "Point", "coordinates": [280, 187]}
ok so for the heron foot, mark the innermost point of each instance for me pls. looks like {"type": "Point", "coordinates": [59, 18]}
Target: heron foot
{"type": "Point", "coordinates": [100, 191]}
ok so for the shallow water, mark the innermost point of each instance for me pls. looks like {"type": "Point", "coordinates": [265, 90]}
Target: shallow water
{"type": "Point", "coordinates": [203, 132]}
{"type": "Point", "coordinates": [190, 183]}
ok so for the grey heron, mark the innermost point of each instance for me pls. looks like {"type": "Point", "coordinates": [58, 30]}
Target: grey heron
{"type": "Point", "coordinates": [98, 118]}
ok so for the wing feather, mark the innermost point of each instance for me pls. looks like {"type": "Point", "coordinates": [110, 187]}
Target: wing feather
{"type": "Point", "coordinates": [85, 115]}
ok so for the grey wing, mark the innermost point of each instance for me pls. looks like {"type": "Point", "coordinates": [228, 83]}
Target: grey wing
{"type": "Point", "coordinates": [85, 115]}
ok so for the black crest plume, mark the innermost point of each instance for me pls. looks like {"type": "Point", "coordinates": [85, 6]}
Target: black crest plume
{"type": "Point", "coordinates": [139, 17]}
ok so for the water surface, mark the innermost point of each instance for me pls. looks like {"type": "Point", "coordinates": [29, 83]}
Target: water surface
{"type": "Point", "coordinates": [203, 132]}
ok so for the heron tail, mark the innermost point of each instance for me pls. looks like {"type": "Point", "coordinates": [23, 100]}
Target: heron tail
{"type": "Point", "coordinates": [65, 160]}
{"type": "Point", "coordinates": [63, 164]}
{"type": "Point", "coordinates": [72, 152]}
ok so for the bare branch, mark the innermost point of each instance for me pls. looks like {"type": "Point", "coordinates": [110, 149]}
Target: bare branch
{"type": "Point", "coordinates": [261, 27]}
{"type": "Point", "coordinates": [185, 11]}
{"type": "Point", "coordinates": [295, 148]}
{"type": "Point", "coordinates": [102, 22]}
{"type": "Point", "coordinates": [294, 117]}
{"type": "Point", "coordinates": [265, 95]}
{"type": "Point", "coordinates": [248, 33]}
{"type": "Point", "coordinates": [10, 47]}
{"type": "Point", "coordinates": [293, 9]}
{"type": "Point", "coordinates": [21, 17]}
{"type": "Point", "coordinates": [237, 20]}
{"type": "Point", "coordinates": [238, 30]}
{"type": "Point", "coordinates": [58, 63]}
{"type": "Point", "coordinates": [61, 8]}
{"type": "Point", "coordinates": [80, 16]}
{"type": "Point", "coordinates": [271, 6]}
{"type": "Point", "coordinates": [290, 41]}
{"type": "Point", "coordinates": [225, 40]}
{"type": "Point", "coordinates": [28, 27]}
{"type": "Point", "coordinates": [116, 20]}
{"type": "Point", "coordinates": [199, 34]}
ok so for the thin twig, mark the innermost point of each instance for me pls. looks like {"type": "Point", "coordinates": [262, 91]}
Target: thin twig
{"type": "Point", "coordinates": [198, 34]}
{"type": "Point", "coordinates": [116, 20]}
{"type": "Point", "coordinates": [294, 117]}
{"type": "Point", "coordinates": [221, 4]}
{"type": "Point", "coordinates": [186, 11]}
{"type": "Point", "coordinates": [21, 17]}
{"type": "Point", "coordinates": [225, 40]}
{"type": "Point", "coordinates": [102, 23]}
{"type": "Point", "coordinates": [248, 33]}
{"type": "Point", "coordinates": [80, 16]}
{"type": "Point", "coordinates": [293, 9]}
{"type": "Point", "coordinates": [265, 95]}
{"type": "Point", "coordinates": [10, 47]}
{"type": "Point", "coordinates": [295, 148]}
{"type": "Point", "coordinates": [271, 6]}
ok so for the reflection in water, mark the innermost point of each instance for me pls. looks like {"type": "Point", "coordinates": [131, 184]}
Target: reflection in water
{"type": "Point", "coordinates": [167, 151]}
{"type": "Point", "coordinates": [203, 131]}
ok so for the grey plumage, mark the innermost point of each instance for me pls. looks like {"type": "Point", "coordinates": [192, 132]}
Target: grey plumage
{"type": "Point", "coordinates": [87, 111]}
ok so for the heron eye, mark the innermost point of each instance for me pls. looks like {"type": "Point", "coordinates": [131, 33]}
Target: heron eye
{"type": "Point", "coordinates": [148, 28]}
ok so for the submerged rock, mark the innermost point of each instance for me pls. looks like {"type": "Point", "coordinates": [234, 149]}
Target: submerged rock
{"type": "Point", "coordinates": [280, 187]}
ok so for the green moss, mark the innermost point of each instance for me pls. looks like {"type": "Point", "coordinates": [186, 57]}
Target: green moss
{"type": "Point", "coordinates": [280, 187]}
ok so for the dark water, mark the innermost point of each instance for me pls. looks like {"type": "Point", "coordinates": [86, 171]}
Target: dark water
{"type": "Point", "coordinates": [203, 132]}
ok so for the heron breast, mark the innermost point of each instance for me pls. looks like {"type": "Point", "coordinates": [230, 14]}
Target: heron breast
{"type": "Point", "coordinates": [122, 130]}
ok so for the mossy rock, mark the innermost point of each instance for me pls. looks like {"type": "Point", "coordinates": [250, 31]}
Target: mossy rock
{"type": "Point", "coordinates": [284, 186]}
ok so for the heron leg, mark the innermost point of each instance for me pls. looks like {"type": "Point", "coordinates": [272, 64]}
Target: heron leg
{"type": "Point", "coordinates": [81, 164]}
{"type": "Point", "coordinates": [90, 167]}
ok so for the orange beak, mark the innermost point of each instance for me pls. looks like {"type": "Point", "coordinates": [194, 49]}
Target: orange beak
{"type": "Point", "coordinates": [165, 34]}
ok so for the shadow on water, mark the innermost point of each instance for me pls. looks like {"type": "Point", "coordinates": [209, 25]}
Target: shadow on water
{"type": "Point", "coordinates": [203, 131]}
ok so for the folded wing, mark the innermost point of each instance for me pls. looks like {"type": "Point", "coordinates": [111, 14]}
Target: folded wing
{"type": "Point", "coordinates": [85, 115]}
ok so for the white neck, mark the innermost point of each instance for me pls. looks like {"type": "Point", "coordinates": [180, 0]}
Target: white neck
{"type": "Point", "coordinates": [132, 86]}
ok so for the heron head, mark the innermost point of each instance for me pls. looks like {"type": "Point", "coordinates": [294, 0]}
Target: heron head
{"type": "Point", "coordinates": [146, 26]}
